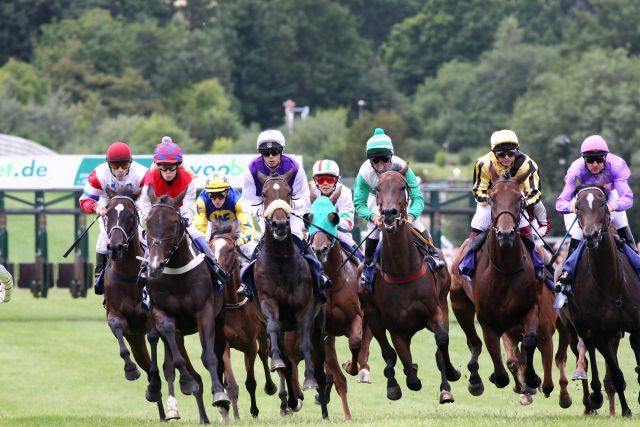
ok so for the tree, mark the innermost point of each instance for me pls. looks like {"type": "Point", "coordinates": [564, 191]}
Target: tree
{"type": "Point", "coordinates": [21, 81]}
{"type": "Point", "coordinates": [148, 133]}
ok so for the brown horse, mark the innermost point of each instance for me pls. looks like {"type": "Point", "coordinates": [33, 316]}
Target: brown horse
{"type": "Point", "coordinates": [242, 327]}
{"type": "Point", "coordinates": [407, 296]}
{"type": "Point", "coordinates": [504, 293]}
{"type": "Point", "coordinates": [606, 296]}
{"type": "Point", "coordinates": [286, 296]}
{"type": "Point", "coordinates": [344, 314]}
{"type": "Point", "coordinates": [183, 301]}
{"type": "Point", "coordinates": [122, 299]}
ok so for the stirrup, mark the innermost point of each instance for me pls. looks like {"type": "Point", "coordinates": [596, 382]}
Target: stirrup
{"type": "Point", "coordinates": [243, 290]}
{"type": "Point", "coordinates": [325, 282]}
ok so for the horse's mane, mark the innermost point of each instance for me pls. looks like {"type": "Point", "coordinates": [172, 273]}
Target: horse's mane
{"type": "Point", "coordinates": [221, 227]}
{"type": "Point", "coordinates": [602, 188]}
{"type": "Point", "coordinates": [163, 199]}
{"type": "Point", "coordinates": [126, 191]}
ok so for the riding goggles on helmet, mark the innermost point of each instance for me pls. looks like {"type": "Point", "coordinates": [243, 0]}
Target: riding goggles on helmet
{"type": "Point", "coordinates": [120, 165]}
{"type": "Point", "coordinates": [506, 153]}
{"type": "Point", "coordinates": [266, 152]}
{"type": "Point", "coordinates": [325, 179]}
{"type": "Point", "coordinates": [218, 194]}
{"type": "Point", "coordinates": [594, 159]}
{"type": "Point", "coordinates": [378, 159]}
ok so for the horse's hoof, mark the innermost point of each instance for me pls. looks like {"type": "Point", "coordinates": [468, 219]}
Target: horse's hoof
{"type": "Point", "coordinates": [547, 391]}
{"type": "Point", "coordinates": [579, 375]}
{"type": "Point", "coordinates": [566, 402]}
{"type": "Point", "coordinates": [524, 389]}
{"type": "Point", "coordinates": [277, 364]}
{"type": "Point", "coordinates": [153, 395]}
{"type": "Point", "coordinates": [298, 406]}
{"type": "Point", "coordinates": [349, 368]}
{"type": "Point", "coordinates": [446, 397]}
{"type": "Point", "coordinates": [309, 383]}
{"type": "Point", "coordinates": [131, 374]}
{"type": "Point", "coordinates": [394, 393]}
{"type": "Point", "coordinates": [173, 414]}
{"type": "Point", "coordinates": [594, 401]}
{"type": "Point", "coordinates": [453, 374]}
{"type": "Point", "coordinates": [499, 380]}
{"type": "Point", "coordinates": [221, 400]}
{"type": "Point", "coordinates": [626, 412]}
{"type": "Point", "coordinates": [535, 383]}
{"type": "Point", "coordinates": [270, 389]}
{"type": "Point", "coordinates": [414, 384]}
{"type": "Point", "coordinates": [476, 389]}
{"type": "Point", "coordinates": [364, 376]}
{"type": "Point", "coordinates": [224, 415]}
{"type": "Point", "coordinates": [189, 387]}
{"type": "Point", "coordinates": [526, 399]}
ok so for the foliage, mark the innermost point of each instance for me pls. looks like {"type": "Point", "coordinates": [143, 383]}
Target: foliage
{"type": "Point", "coordinates": [425, 151]}
{"type": "Point", "coordinates": [441, 158]}
{"type": "Point", "coordinates": [21, 81]}
{"type": "Point", "coordinates": [148, 133]}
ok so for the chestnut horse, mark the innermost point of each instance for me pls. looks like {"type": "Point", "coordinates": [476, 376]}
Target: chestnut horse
{"type": "Point", "coordinates": [242, 327]}
{"type": "Point", "coordinates": [122, 298]}
{"type": "Point", "coordinates": [504, 292]}
{"type": "Point", "coordinates": [285, 295]}
{"type": "Point", "coordinates": [606, 296]}
{"type": "Point", "coordinates": [183, 301]}
{"type": "Point", "coordinates": [407, 296]}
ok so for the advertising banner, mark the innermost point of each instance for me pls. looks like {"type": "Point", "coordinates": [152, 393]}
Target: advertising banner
{"type": "Point", "coordinates": [70, 172]}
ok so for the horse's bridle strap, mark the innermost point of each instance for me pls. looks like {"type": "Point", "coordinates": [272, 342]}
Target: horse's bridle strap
{"type": "Point", "coordinates": [180, 270]}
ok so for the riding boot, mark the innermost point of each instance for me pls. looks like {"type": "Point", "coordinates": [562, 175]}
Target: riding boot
{"type": "Point", "coordinates": [217, 273]}
{"type": "Point", "coordinates": [564, 283]}
{"type": "Point", "coordinates": [431, 250]}
{"type": "Point", "coordinates": [370, 246]}
{"type": "Point", "coordinates": [101, 264]}
{"type": "Point", "coordinates": [625, 233]}
{"type": "Point", "coordinates": [141, 282]}
{"type": "Point", "coordinates": [473, 234]}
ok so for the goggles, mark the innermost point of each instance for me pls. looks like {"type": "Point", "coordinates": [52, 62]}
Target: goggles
{"type": "Point", "coordinates": [271, 152]}
{"type": "Point", "coordinates": [325, 179]}
{"type": "Point", "coordinates": [501, 154]}
{"type": "Point", "coordinates": [592, 160]}
{"type": "Point", "coordinates": [218, 195]}
{"type": "Point", "coordinates": [168, 168]}
{"type": "Point", "coordinates": [378, 159]}
{"type": "Point", "coordinates": [120, 165]}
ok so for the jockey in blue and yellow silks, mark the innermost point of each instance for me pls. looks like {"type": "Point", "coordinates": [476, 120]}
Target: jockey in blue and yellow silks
{"type": "Point", "coordinates": [220, 202]}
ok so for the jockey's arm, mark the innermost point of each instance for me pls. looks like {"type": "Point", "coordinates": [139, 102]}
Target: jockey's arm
{"type": "Point", "coordinates": [621, 185]}
{"type": "Point", "coordinates": [91, 193]}
{"type": "Point", "coordinates": [361, 192]}
{"type": "Point", "coordinates": [300, 191]}
{"type": "Point", "coordinates": [415, 194]}
{"type": "Point", "coordinates": [188, 207]}
{"type": "Point", "coordinates": [247, 230]}
{"type": "Point", "coordinates": [252, 203]}
{"type": "Point", "coordinates": [344, 206]}
{"type": "Point", "coordinates": [200, 219]}
{"type": "Point", "coordinates": [144, 205]}
{"type": "Point", "coordinates": [531, 185]}
{"type": "Point", "coordinates": [481, 182]}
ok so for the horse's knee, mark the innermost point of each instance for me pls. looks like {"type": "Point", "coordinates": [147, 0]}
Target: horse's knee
{"type": "Point", "coordinates": [165, 326]}
{"type": "Point", "coordinates": [530, 340]}
{"type": "Point", "coordinates": [442, 338]}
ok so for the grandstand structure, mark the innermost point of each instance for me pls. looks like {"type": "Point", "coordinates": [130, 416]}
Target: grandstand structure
{"type": "Point", "coordinates": [11, 145]}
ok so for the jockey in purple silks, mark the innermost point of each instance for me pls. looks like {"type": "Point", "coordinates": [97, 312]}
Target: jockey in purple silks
{"type": "Point", "coordinates": [596, 162]}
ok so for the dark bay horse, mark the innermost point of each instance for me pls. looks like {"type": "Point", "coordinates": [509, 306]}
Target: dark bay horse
{"type": "Point", "coordinates": [183, 301]}
{"type": "Point", "coordinates": [286, 296]}
{"type": "Point", "coordinates": [242, 327]}
{"type": "Point", "coordinates": [504, 293]}
{"type": "Point", "coordinates": [407, 296]}
{"type": "Point", "coordinates": [606, 296]}
{"type": "Point", "coordinates": [122, 298]}
{"type": "Point", "coordinates": [344, 314]}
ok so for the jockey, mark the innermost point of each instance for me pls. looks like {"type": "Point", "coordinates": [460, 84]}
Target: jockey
{"type": "Point", "coordinates": [326, 182]}
{"type": "Point", "coordinates": [381, 159]}
{"type": "Point", "coordinates": [6, 284]}
{"type": "Point", "coordinates": [220, 202]}
{"type": "Point", "coordinates": [118, 170]}
{"type": "Point", "coordinates": [506, 158]}
{"type": "Point", "coordinates": [171, 180]}
{"type": "Point", "coordinates": [596, 162]}
{"type": "Point", "coordinates": [271, 144]}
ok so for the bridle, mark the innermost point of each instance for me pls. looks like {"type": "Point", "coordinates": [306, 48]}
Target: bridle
{"type": "Point", "coordinates": [402, 212]}
{"type": "Point", "coordinates": [607, 221]}
{"type": "Point", "coordinates": [177, 238]}
{"type": "Point", "coordinates": [117, 227]}
{"type": "Point", "coordinates": [516, 219]}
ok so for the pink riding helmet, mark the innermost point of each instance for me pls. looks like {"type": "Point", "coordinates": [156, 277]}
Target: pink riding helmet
{"type": "Point", "coordinates": [594, 145]}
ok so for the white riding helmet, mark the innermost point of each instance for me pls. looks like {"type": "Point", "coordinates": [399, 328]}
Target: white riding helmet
{"type": "Point", "coordinates": [326, 167]}
{"type": "Point", "coordinates": [270, 138]}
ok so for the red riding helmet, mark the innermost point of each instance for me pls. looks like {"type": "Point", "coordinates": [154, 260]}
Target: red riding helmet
{"type": "Point", "coordinates": [167, 152]}
{"type": "Point", "coordinates": [118, 152]}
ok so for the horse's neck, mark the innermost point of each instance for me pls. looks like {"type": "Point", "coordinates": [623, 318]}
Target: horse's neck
{"type": "Point", "coordinates": [334, 259]}
{"type": "Point", "coordinates": [183, 254]}
{"type": "Point", "coordinates": [603, 261]}
{"type": "Point", "coordinates": [399, 253]}
{"type": "Point", "coordinates": [230, 294]}
{"type": "Point", "coordinates": [276, 247]}
{"type": "Point", "coordinates": [507, 257]}
{"type": "Point", "coordinates": [129, 264]}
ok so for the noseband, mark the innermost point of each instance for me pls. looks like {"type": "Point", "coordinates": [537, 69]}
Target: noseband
{"type": "Point", "coordinates": [516, 219]}
{"type": "Point", "coordinates": [177, 238]}
{"type": "Point", "coordinates": [128, 235]}
{"type": "Point", "coordinates": [402, 212]}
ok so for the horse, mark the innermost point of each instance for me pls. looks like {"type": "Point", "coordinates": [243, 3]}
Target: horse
{"type": "Point", "coordinates": [242, 327]}
{"type": "Point", "coordinates": [606, 296]}
{"type": "Point", "coordinates": [285, 295]}
{"type": "Point", "coordinates": [183, 301]}
{"type": "Point", "coordinates": [407, 296]}
{"type": "Point", "coordinates": [504, 292]}
{"type": "Point", "coordinates": [122, 298]}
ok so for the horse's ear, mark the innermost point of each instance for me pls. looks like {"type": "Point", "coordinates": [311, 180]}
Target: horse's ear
{"type": "Point", "coordinates": [493, 173]}
{"type": "Point", "coordinates": [288, 175]}
{"type": "Point", "coordinates": [601, 181]}
{"type": "Point", "coordinates": [136, 194]}
{"type": "Point", "coordinates": [312, 194]}
{"type": "Point", "coordinates": [577, 183]}
{"type": "Point", "coordinates": [111, 192]}
{"type": "Point", "coordinates": [520, 178]}
{"type": "Point", "coordinates": [336, 195]}
{"type": "Point", "coordinates": [152, 195]}
{"type": "Point", "coordinates": [179, 197]}
{"type": "Point", "coordinates": [404, 170]}
{"type": "Point", "coordinates": [333, 218]}
{"type": "Point", "coordinates": [262, 177]}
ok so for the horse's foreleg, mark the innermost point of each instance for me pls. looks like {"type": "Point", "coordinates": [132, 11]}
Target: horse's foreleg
{"type": "Point", "coordinates": [440, 327]}
{"type": "Point", "coordinates": [364, 375]}
{"type": "Point", "coordinates": [402, 345]}
{"type": "Point", "coordinates": [339, 379]}
{"type": "Point", "coordinates": [273, 331]}
{"type": "Point", "coordinates": [634, 340]}
{"type": "Point", "coordinates": [464, 311]}
{"type": "Point", "coordinates": [319, 359]}
{"type": "Point", "coordinates": [499, 377]}
{"type": "Point", "coordinates": [394, 392]}
{"type": "Point", "coordinates": [529, 345]}
{"type": "Point", "coordinates": [170, 376]}
{"type": "Point", "coordinates": [263, 353]}
{"type": "Point", "coordinates": [250, 382]}
{"type": "Point", "coordinates": [355, 343]}
{"type": "Point", "coordinates": [305, 322]}
{"type": "Point", "coordinates": [580, 372]}
{"type": "Point", "coordinates": [232, 385]}
{"type": "Point", "coordinates": [561, 362]}
{"type": "Point", "coordinates": [610, 357]}
{"type": "Point", "coordinates": [514, 362]}
{"type": "Point", "coordinates": [119, 325]}
{"type": "Point", "coordinates": [594, 401]}
{"type": "Point", "coordinates": [546, 349]}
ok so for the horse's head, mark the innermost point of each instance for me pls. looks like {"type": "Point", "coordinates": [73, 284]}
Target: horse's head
{"type": "Point", "coordinates": [592, 212]}
{"type": "Point", "coordinates": [276, 197]}
{"type": "Point", "coordinates": [393, 198]}
{"type": "Point", "coordinates": [121, 220]}
{"type": "Point", "coordinates": [507, 204]}
{"type": "Point", "coordinates": [222, 242]}
{"type": "Point", "coordinates": [165, 230]}
{"type": "Point", "coordinates": [323, 231]}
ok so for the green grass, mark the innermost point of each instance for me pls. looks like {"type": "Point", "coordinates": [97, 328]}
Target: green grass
{"type": "Point", "coordinates": [60, 366]}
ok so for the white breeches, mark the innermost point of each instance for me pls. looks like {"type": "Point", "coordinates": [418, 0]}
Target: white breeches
{"type": "Point", "coordinates": [482, 218]}
{"type": "Point", "coordinates": [618, 219]}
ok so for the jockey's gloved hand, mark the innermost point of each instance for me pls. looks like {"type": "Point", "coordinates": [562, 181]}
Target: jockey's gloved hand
{"type": "Point", "coordinates": [307, 217]}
